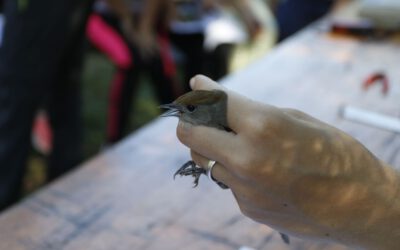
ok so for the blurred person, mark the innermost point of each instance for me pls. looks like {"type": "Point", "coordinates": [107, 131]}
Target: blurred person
{"type": "Point", "coordinates": [188, 28]}
{"type": "Point", "coordinates": [233, 22]}
{"type": "Point", "coordinates": [40, 65]}
{"type": "Point", "coordinates": [1, 21]}
{"type": "Point", "coordinates": [133, 34]}
{"type": "Point", "coordinates": [293, 15]}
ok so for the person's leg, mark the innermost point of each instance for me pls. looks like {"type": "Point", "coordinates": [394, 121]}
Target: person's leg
{"type": "Point", "coordinates": [108, 40]}
{"type": "Point", "coordinates": [163, 72]}
{"type": "Point", "coordinates": [217, 61]}
{"type": "Point", "coordinates": [106, 36]}
{"type": "Point", "coordinates": [65, 100]}
{"type": "Point", "coordinates": [64, 109]}
{"type": "Point", "coordinates": [121, 103]}
{"type": "Point", "coordinates": [191, 45]}
{"type": "Point", "coordinates": [293, 15]}
{"type": "Point", "coordinates": [34, 37]}
{"type": "Point", "coordinates": [16, 118]}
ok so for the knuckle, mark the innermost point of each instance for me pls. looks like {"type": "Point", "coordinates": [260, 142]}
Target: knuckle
{"type": "Point", "coordinates": [244, 164]}
{"type": "Point", "coordinates": [247, 171]}
{"type": "Point", "coordinates": [265, 123]}
{"type": "Point", "coordinates": [239, 163]}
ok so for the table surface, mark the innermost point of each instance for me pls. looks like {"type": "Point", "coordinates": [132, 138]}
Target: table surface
{"type": "Point", "coordinates": [125, 198]}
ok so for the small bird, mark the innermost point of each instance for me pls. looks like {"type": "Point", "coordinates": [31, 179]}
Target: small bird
{"type": "Point", "coordinates": [207, 108]}
{"type": "Point", "coordinates": [199, 107]}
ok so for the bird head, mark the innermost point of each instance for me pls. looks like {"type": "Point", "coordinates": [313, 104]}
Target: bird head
{"type": "Point", "coordinates": [200, 107]}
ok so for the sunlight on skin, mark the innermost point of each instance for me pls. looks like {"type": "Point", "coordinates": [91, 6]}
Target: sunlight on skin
{"type": "Point", "coordinates": [299, 175]}
{"type": "Point", "coordinates": [330, 199]}
{"type": "Point", "coordinates": [339, 194]}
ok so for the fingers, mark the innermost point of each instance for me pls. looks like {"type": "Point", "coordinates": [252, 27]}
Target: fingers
{"type": "Point", "coordinates": [240, 108]}
{"type": "Point", "coordinates": [210, 142]}
{"type": "Point", "coordinates": [219, 172]}
{"type": "Point", "coordinates": [249, 199]}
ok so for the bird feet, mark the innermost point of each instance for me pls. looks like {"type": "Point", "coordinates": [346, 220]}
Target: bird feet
{"type": "Point", "coordinates": [190, 168]}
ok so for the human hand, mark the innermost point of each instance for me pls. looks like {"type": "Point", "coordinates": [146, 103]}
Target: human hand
{"type": "Point", "coordinates": [297, 174]}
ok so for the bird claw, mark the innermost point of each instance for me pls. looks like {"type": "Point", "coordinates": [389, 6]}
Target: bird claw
{"type": "Point", "coordinates": [285, 238]}
{"type": "Point", "coordinates": [190, 168]}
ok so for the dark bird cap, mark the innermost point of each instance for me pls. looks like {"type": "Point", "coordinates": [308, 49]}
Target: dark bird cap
{"type": "Point", "coordinates": [197, 97]}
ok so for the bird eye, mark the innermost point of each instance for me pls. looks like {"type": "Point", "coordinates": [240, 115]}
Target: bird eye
{"type": "Point", "coordinates": [191, 108]}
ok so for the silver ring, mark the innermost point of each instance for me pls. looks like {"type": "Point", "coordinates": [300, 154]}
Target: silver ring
{"type": "Point", "coordinates": [210, 166]}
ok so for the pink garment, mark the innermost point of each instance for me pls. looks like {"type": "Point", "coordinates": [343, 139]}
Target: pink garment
{"type": "Point", "coordinates": [108, 41]}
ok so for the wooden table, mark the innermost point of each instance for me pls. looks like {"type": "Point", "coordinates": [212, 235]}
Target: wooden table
{"type": "Point", "coordinates": [125, 198]}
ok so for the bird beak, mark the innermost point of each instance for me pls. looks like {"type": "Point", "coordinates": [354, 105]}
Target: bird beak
{"type": "Point", "coordinates": [173, 110]}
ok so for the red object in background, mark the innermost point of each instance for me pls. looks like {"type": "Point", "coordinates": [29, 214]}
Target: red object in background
{"type": "Point", "coordinates": [42, 136]}
{"type": "Point", "coordinates": [360, 28]}
{"type": "Point", "coordinates": [375, 79]}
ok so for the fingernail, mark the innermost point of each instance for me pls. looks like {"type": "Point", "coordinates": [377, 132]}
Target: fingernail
{"type": "Point", "coordinates": [192, 82]}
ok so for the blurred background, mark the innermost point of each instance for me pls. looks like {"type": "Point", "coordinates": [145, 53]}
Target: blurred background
{"type": "Point", "coordinates": [76, 77]}
{"type": "Point", "coordinates": [218, 37]}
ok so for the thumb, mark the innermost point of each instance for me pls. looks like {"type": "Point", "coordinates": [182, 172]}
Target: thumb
{"type": "Point", "coordinates": [201, 82]}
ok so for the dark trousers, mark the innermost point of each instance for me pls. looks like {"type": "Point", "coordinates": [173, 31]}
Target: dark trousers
{"type": "Point", "coordinates": [159, 66]}
{"type": "Point", "coordinates": [214, 64]}
{"type": "Point", "coordinates": [121, 98]}
{"type": "Point", "coordinates": [293, 15]}
{"type": "Point", "coordinates": [191, 45]}
{"type": "Point", "coordinates": [217, 61]}
{"type": "Point", "coordinates": [40, 62]}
